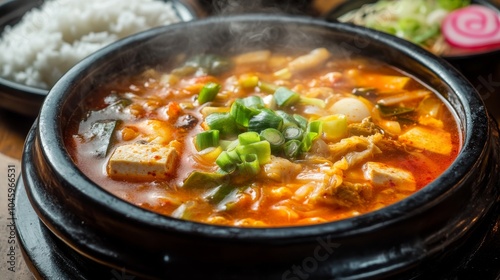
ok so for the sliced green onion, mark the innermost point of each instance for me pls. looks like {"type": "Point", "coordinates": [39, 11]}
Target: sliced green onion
{"type": "Point", "coordinates": [261, 149]}
{"type": "Point", "coordinates": [225, 144]}
{"type": "Point", "coordinates": [241, 113]}
{"type": "Point", "coordinates": [248, 137]}
{"type": "Point", "coordinates": [315, 126]}
{"type": "Point", "coordinates": [208, 92]}
{"type": "Point", "coordinates": [206, 139]}
{"type": "Point", "coordinates": [312, 101]}
{"type": "Point", "coordinates": [265, 119]}
{"type": "Point", "coordinates": [301, 121]}
{"type": "Point", "coordinates": [291, 149]}
{"type": "Point", "coordinates": [234, 155]}
{"type": "Point", "coordinates": [288, 119]}
{"type": "Point", "coordinates": [285, 97]}
{"type": "Point", "coordinates": [229, 145]}
{"type": "Point", "coordinates": [223, 122]}
{"type": "Point", "coordinates": [250, 165]}
{"type": "Point", "coordinates": [198, 179]}
{"type": "Point", "coordinates": [267, 87]}
{"type": "Point", "coordinates": [208, 110]}
{"type": "Point", "coordinates": [293, 133]}
{"type": "Point", "coordinates": [313, 131]}
{"type": "Point", "coordinates": [227, 162]}
{"type": "Point", "coordinates": [253, 101]}
{"type": "Point", "coordinates": [274, 137]}
{"type": "Point", "coordinates": [308, 140]}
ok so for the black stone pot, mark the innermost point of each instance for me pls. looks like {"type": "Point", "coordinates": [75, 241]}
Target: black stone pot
{"type": "Point", "coordinates": [426, 228]}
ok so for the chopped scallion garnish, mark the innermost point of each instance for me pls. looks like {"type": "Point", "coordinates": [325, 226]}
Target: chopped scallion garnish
{"type": "Point", "coordinates": [315, 126]}
{"type": "Point", "coordinates": [250, 165]}
{"type": "Point", "coordinates": [274, 137]}
{"type": "Point", "coordinates": [248, 137]}
{"type": "Point", "coordinates": [301, 121]}
{"type": "Point", "coordinates": [265, 119]}
{"type": "Point", "coordinates": [293, 133]}
{"type": "Point", "coordinates": [226, 162]}
{"type": "Point", "coordinates": [291, 149]}
{"type": "Point", "coordinates": [208, 92]}
{"type": "Point", "coordinates": [288, 120]}
{"type": "Point", "coordinates": [207, 139]}
{"type": "Point", "coordinates": [253, 101]}
{"type": "Point", "coordinates": [308, 140]}
{"type": "Point", "coordinates": [222, 122]}
{"type": "Point", "coordinates": [241, 113]}
{"type": "Point", "coordinates": [285, 97]}
{"type": "Point", "coordinates": [261, 149]}
{"type": "Point", "coordinates": [312, 101]}
{"type": "Point", "coordinates": [267, 87]}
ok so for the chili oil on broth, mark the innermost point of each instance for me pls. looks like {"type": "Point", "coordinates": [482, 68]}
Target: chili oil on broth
{"type": "Point", "coordinates": [364, 167]}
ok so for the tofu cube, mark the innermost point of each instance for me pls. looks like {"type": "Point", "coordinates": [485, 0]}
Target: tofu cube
{"type": "Point", "coordinates": [142, 162]}
{"type": "Point", "coordinates": [384, 176]}
{"type": "Point", "coordinates": [433, 140]}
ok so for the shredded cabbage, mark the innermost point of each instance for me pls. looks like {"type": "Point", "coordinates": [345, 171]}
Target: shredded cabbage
{"type": "Point", "coordinates": [418, 21]}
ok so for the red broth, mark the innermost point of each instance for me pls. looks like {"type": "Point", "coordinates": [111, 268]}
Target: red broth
{"type": "Point", "coordinates": [346, 137]}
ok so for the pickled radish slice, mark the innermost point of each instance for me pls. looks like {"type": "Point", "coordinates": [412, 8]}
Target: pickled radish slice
{"type": "Point", "coordinates": [472, 27]}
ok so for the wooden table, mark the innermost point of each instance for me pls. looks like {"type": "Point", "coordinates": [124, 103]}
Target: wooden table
{"type": "Point", "coordinates": [13, 131]}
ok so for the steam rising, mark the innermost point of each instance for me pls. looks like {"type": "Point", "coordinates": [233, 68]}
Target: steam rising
{"type": "Point", "coordinates": [240, 33]}
{"type": "Point", "coordinates": [231, 7]}
{"type": "Point", "coordinates": [226, 36]}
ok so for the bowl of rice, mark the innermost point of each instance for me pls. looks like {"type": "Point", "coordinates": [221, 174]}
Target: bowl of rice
{"type": "Point", "coordinates": [41, 40]}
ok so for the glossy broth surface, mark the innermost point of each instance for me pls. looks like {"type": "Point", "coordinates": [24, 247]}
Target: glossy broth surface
{"type": "Point", "coordinates": [359, 135]}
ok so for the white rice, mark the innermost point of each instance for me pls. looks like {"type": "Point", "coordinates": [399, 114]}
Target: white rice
{"type": "Point", "coordinates": [50, 40]}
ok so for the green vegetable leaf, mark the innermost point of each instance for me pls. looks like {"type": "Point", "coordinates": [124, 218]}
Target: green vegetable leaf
{"type": "Point", "coordinates": [208, 92]}
{"type": "Point", "coordinates": [451, 5]}
{"type": "Point", "coordinates": [101, 134]}
{"type": "Point", "coordinates": [389, 111]}
{"type": "Point", "coordinates": [285, 97]}
{"type": "Point", "coordinates": [199, 179]}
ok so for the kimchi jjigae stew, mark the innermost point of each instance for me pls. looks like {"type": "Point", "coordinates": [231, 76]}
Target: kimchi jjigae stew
{"type": "Point", "coordinates": [263, 139]}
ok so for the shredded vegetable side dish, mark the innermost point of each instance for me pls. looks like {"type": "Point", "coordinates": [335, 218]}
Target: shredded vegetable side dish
{"type": "Point", "coordinates": [418, 21]}
{"type": "Point", "coordinates": [264, 138]}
